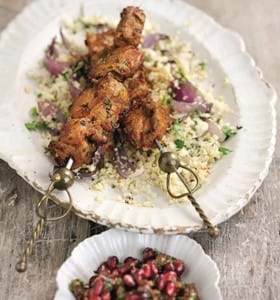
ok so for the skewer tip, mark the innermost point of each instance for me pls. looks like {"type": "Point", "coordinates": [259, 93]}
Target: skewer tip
{"type": "Point", "coordinates": [214, 232]}
{"type": "Point", "coordinates": [21, 266]}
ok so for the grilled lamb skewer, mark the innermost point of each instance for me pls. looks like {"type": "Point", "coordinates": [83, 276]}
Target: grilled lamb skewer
{"type": "Point", "coordinates": [96, 112]}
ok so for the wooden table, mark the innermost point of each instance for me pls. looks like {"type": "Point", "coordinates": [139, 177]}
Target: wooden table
{"type": "Point", "coordinates": [248, 250]}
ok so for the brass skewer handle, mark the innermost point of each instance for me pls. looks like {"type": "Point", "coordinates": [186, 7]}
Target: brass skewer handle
{"type": "Point", "coordinates": [62, 179]}
{"type": "Point", "coordinates": [169, 163]}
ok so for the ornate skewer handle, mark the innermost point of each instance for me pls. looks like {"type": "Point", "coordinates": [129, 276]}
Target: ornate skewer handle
{"type": "Point", "coordinates": [62, 179]}
{"type": "Point", "coordinates": [169, 163]}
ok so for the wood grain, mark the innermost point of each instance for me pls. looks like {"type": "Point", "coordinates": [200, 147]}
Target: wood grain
{"type": "Point", "coordinates": [247, 252]}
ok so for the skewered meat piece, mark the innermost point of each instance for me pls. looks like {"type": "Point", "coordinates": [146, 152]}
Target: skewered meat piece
{"type": "Point", "coordinates": [97, 42]}
{"type": "Point", "coordinates": [104, 102]}
{"type": "Point", "coordinates": [145, 123]}
{"type": "Point", "coordinates": [122, 62]}
{"type": "Point", "coordinates": [95, 114]}
{"type": "Point", "coordinates": [129, 30]}
{"type": "Point", "coordinates": [111, 101]}
{"type": "Point", "coordinates": [73, 143]}
{"type": "Point", "coordinates": [125, 59]}
{"type": "Point", "coordinates": [137, 86]}
{"type": "Point", "coordinates": [83, 104]}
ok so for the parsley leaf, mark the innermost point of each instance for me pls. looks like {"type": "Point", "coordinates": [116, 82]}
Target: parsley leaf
{"type": "Point", "coordinates": [35, 125]}
{"type": "Point", "coordinates": [225, 151]}
{"type": "Point", "coordinates": [34, 112]}
{"type": "Point", "coordinates": [229, 131]}
{"type": "Point", "coordinates": [166, 100]}
{"type": "Point", "coordinates": [176, 126]}
{"type": "Point", "coordinates": [202, 65]}
{"type": "Point", "coordinates": [181, 74]}
{"type": "Point", "coordinates": [179, 144]}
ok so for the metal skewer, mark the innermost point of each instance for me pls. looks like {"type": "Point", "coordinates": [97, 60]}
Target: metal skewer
{"type": "Point", "coordinates": [169, 163]}
{"type": "Point", "coordinates": [62, 179]}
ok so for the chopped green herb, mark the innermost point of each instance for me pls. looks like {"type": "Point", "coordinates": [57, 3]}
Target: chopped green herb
{"type": "Point", "coordinates": [34, 112]}
{"type": "Point", "coordinates": [166, 100]}
{"type": "Point", "coordinates": [176, 126]}
{"type": "Point", "coordinates": [107, 101]}
{"type": "Point", "coordinates": [35, 125]}
{"type": "Point", "coordinates": [182, 75]}
{"type": "Point", "coordinates": [179, 144]}
{"type": "Point", "coordinates": [148, 58]}
{"type": "Point", "coordinates": [108, 286]}
{"type": "Point", "coordinates": [229, 131]}
{"type": "Point", "coordinates": [39, 95]}
{"type": "Point", "coordinates": [66, 75]}
{"type": "Point", "coordinates": [225, 151]}
{"type": "Point", "coordinates": [202, 65]}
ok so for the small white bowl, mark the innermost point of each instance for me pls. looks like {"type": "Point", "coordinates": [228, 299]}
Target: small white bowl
{"type": "Point", "coordinates": [88, 255]}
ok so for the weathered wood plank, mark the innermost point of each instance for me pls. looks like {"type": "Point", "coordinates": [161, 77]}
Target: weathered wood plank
{"type": "Point", "coordinates": [247, 252]}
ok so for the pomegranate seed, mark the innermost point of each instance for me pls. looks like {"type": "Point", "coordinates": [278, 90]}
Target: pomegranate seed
{"type": "Point", "coordinates": [179, 267]}
{"type": "Point", "coordinates": [148, 254]}
{"type": "Point", "coordinates": [168, 267]}
{"type": "Point", "coordinates": [133, 296]}
{"type": "Point", "coordinates": [94, 297]}
{"type": "Point", "coordinates": [131, 260]}
{"type": "Point", "coordinates": [115, 273]}
{"type": "Point", "coordinates": [170, 276]}
{"type": "Point", "coordinates": [138, 275]}
{"type": "Point", "coordinates": [103, 270]}
{"type": "Point", "coordinates": [92, 280]}
{"type": "Point", "coordinates": [106, 296]}
{"type": "Point", "coordinates": [128, 280]}
{"type": "Point", "coordinates": [161, 282]}
{"type": "Point", "coordinates": [153, 267]}
{"type": "Point", "coordinates": [147, 271]}
{"type": "Point", "coordinates": [112, 262]}
{"type": "Point", "coordinates": [97, 287]}
{"type": "Point", "coordinates": [170, 288]}
{"type": "Point", "coordinates": [125, 268]}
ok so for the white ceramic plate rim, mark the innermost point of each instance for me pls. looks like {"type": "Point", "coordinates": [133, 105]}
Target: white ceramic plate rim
{"type": "Point", "coordinates": [115, 238]}
{"type": "Point", "coordinates": [118, 222]}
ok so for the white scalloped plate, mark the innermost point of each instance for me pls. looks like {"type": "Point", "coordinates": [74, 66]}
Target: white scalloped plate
{"type": "Point", "coordinates": [235, 178]}
{"type": "Point", "coordinates": [89, 254]}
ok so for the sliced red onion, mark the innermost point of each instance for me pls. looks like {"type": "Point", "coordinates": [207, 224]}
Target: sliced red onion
{"type": "Point", "coordinates": [124, 165]}
{"type": "Point", "coordinates": [54, 131]}
{"type": "Point", "coordinates": [74, 89]}
{"type": "Point", "coordinates": [188, 99]}
{"type": "Point", "coordinates": [185, 92]}
{"type": "Point", "coordinates": [55, 67]}
{"type": "Point", "coordinates": [51, 50]}
{"type": "Point", "coordinates": [48, 110]}
{"type": "Point", "coordinates": [214, 129]}
{"type": "Point", "coordinates": [151, 40]}
{"type": "Point", "coordinates": [51, 63]}
{"type": "Point", "coordinates": [181, 107]}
